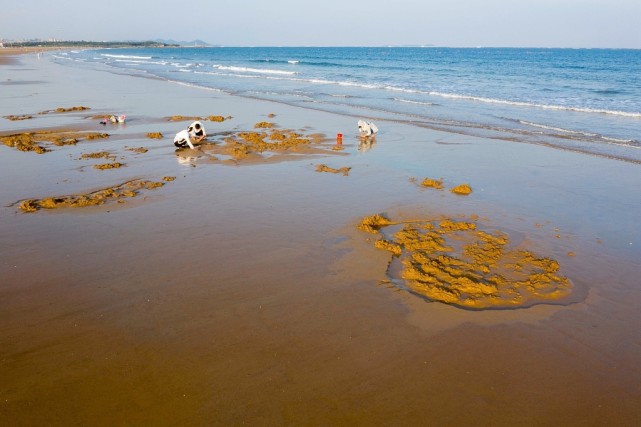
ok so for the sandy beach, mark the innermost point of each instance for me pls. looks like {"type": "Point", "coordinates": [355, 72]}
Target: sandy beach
{"type": "Point", "coordinates": [241, 290]}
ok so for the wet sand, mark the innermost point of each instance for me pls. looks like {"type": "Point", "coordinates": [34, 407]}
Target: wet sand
{"type": "Point", "coordinates": [243, 291]}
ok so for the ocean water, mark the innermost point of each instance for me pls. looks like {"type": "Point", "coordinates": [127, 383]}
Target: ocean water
{"type": "Point", "coordinates": [586, 100]}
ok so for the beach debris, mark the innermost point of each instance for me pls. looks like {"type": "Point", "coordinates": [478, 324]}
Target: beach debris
{"type": "Point", "coordinates": [98, 155]}
{"type": "Point", "coordinates": [264, 125]}
{"type": "Point", "coordinates": [139, 150]}
{"type": "Point", "coordinates": [127, 189]}
{"type": "Point", "coordinates": [367, 129]}
{"type": "Point", "coordinates": [373, 223]}
{"type": "Point", "coordinates": [14, 118]}
{"type": "Point", "coordinates": [36, 141]}
{"type": "Point", "coordinates": [432, 183]}
{"type": "Point", "coordinates": [154, 135]}
{"type": "Point", "coordinates": [65, 110]}
{"type": "Point", "coordinates": [179, 118]}
{"type": "Point", "coordinates": [457, 263]}
{"type": "Point", "coordinates": [242, 144]}
{"type": "Point", "coordinates": [462, 190]}
{"type": "Point", "coordinates": [114, 119]}
{"type": "Point", "coordinates": [114, 165]}
{"type": "Point", "coordinates": [324, 168]}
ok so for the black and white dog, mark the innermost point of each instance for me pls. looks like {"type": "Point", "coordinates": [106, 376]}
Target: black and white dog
{"type": "Point", "coordinates": [195, 130]}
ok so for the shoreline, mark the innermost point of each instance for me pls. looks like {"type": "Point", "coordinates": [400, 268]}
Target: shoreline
{"type": "Point", "coordinates": [246, 293]}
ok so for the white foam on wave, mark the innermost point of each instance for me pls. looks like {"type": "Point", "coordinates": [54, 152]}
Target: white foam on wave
{"type": "Point", "coordinates": [626, 142]}
{"type": "Point", "coordinates": [409, 101]}
{"type": "Point", "coordinates": [180, 65]}
{"type": "Point", "coordinates": [211, 89]}
{"type": "Point", "coordinates": [136, 61]}
{"type": "Point", "coordinates": [607, 139]}
{"type": "Point", "coordinates": [253, 70]}
{"type": "Point", "coordinates": [266, 73]}
{"type": "Point", "coordinates": [108, 55]}
{"type": "Point", "coordinates": [534, 105]}
{"type": "Point", "coordinates": [556, 129]}
{"type": "Point", "coordinates": [292, 61]}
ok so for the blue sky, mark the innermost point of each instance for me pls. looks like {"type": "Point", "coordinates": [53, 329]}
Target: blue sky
{"type": "Point", "coordinates": [528, 23]}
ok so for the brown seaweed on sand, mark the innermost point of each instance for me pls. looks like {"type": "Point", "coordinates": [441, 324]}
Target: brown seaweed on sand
{"type": "Point", "coordinates": [324, 168]}
{"type": "Point", "coordinates": [179, 118]}
{"type": "Point", "coordinates": [462, 190]}
{"type": "Point", "coordinates": [66, 109]}
{"type": "Point", "coordinates": [107, 195]}
{"type": "Point", "coordinates": [244, 144]}
{"type": "Point", "coordinates": [18, 117]}
{"type": "Point", "coordinates": [456, 263]}
{"type": "Point", "coordinates": [38, 141]}
{"type": "Point", "coordinates": [114, 165]}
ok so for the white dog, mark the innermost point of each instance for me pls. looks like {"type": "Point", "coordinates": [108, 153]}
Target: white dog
{"type": "Point", "coordinates": [367, 129]}
{"type": "Point", "coordinates": [184, 137]}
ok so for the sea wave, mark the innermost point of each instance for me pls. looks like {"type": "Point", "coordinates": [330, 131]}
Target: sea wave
{"type": "Point", "coordinates": [590, 136]}
{"type": "Point", "coordinates": [253, 70]}
{"type": "Point", "coordinates": [109, 55]}
{"type": "Point", "coordinates": [137, 61]}
{"type": "Point", "coordinates": [555, 129]}
{"type": "Point", "coordinates": [409, 101]}
{"type": "Point", "coordinates": [365, 85]}
{"type": "Point", "coordinates": [632, 114]}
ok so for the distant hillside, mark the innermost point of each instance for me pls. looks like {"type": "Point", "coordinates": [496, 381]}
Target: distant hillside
{"type": "Point", "coordinates": [84, 43]}
{"type": "Point", "coordinates": [199, 43]}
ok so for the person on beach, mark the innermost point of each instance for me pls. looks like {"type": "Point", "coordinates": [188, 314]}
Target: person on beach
{"type": "Point", "coordinates": [183, 139]}
{"type": "Point", "coordinates": [195, 130]}
{"type": "Point", "coordinates": [367, 129]}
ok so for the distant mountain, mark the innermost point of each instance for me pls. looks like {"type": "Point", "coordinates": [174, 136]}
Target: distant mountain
{"type": "Point", "coordinates": [199, 43]}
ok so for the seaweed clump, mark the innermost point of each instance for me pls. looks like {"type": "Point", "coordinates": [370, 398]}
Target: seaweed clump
{"type": "Point", "coordinates": [264, 125]}
{"type": "Point", "coordinates": [372, 224]}
{"type": "Point", "coordinates": [462, 190]}
{"type": "Point", "coordinates": [66, 109]}
{"type": "Point", "coordinates": [324, 168]}
{"type": "Point", "coordinates": [433, 183]}
{"type": "Point", "coordinates": [179, 118]}
{"type": "Point", "coordinates": [243, 144]}
{"type": "Point", "coordinates": [114, 165]}
{"type": "Point", "coordinates": [118, 193]}
{"type": "Point", "coordinates": [98, 155]}
{"type": "Point", "coordinates": [454, 262]}
{"type": "Point", "coordinates": [38, 141]}
{"type": "Point", "coordinates": [14, 118]}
